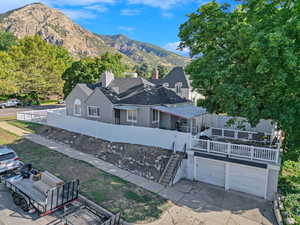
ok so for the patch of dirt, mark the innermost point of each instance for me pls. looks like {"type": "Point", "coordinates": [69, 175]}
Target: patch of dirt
{"type": "Point", "coordinates": [145, 161]}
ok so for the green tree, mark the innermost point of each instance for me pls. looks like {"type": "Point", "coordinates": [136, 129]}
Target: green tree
{"type": "Point", "coordinates": [38, 67]}
{"type": "Point", "coordinates": [163, 71]}
{"type": "Point", "coordinates": [89, 70]}
{"type": "Point", "coordinates": [6, 40]}
{"type": "Point", "coordinates": [142, 70]}
{"type": "Point", "coordinates": [246, 61]}
{"type": "Point", "coordinates": [8, 78]}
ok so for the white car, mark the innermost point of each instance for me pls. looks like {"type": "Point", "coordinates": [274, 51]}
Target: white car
{"type": "Point", "coordinates": [8, 160]}
{"type": "Point", "coordinates": [10, 103]}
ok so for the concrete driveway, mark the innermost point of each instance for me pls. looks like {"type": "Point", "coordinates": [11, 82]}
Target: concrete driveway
{"type": "Point", "coordinates": [198, 203]}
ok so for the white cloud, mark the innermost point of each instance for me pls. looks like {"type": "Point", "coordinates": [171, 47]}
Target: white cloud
{"type": "Point", "coordinates": [79, 14]}
{"type": "Point", "coordinates": [163, 4]}
{"type": "Point", "coordinates": [127, 29]}
{"type": "Point", "coordinates": [130, 12]}
{"type": "Point", "coordinates": [173, 46]}
{"type": "Point", "coordinates": [97, 8]}
{"type": "Point", "coordinates": [167, 14]}
{"type": "Point", "coordinates": [6, 5]}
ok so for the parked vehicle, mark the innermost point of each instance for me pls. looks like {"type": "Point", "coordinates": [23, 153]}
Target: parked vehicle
{"type": "Point", "coordinates": [8, 160]}
{"type": "Point", "coordinates": [10, 103]}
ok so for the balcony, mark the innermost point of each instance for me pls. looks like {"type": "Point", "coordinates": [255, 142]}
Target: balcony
{"type": "Point", "coordinates": [248, 145]}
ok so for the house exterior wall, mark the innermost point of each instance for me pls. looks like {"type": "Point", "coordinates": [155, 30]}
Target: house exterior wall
{"type": "Point", "coordinates": [143, 117]}
{"type": "Point", "coordinates": [76, 93]}
{"type": "Point", "coordinates": [185, 92]}
{"type": "Point", "coordinates": [97, 98]}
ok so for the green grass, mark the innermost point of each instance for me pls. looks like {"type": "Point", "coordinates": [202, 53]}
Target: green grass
{"type": "Point", "coordinates": [48, 102]}
{"type": "Point", "coordinates": [113, 193]}
{"type": "Point", "coordinates": [28, 126]}
{"type": "Point", "coordinates": [7, 137]}
{"type": "Point", "coordinates": [289, 185]}
{"type": "Point", "coordinates": [7, 118]}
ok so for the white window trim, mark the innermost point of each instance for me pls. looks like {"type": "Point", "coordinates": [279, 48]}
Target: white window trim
{"type": "Point", "coordinates": [179, 85]}
{"type": "Point", "coordinates": [92, 116]}
{"type": "Point", "coordinates": [77, 102]}
{"type": "Point", "coordinates": [158, 116]}
{"type": "Point", "coordinates": [129, 120]}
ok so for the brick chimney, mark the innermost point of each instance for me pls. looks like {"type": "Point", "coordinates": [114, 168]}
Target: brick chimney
{"type": "Point", "coordinates": [155, 74]}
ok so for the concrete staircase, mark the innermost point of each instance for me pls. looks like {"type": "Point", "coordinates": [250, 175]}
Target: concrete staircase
{"type": "Point", "coordinates": [170, 171]}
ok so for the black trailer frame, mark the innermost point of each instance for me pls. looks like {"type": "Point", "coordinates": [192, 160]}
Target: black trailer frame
{"type": "Point", "coordinates": [56, 198]}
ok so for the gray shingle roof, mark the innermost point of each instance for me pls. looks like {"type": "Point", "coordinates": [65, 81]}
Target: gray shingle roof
{"type": "Point", "coordinates": [135, 91]}
{"type": "Point", "coordinates": [176, 75]}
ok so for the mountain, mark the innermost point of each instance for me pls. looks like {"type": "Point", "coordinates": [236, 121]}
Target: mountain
{"type": "Point", "coordinates": [56, 28]}
{"type": "Point", "coordinates": [142, 52]}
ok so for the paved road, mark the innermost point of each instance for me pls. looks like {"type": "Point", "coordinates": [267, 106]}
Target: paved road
{"type": "Point", "coordinates": [13, 111]}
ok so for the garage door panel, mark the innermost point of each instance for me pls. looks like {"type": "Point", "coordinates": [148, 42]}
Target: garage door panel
{"type": "Point", "coordinates": [210, 171]}
{"type": "Point", "coordinates": [247, 179]}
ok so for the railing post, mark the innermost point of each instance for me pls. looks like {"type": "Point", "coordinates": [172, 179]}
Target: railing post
{"type": "Point", "coordinates": [228, 148]}
{"type": "Point", "coordinates": [252, 152]}
{"type": "Point", "coordinates": [277, 153]}
{"type": "Point", "coordinates": [208, 145]}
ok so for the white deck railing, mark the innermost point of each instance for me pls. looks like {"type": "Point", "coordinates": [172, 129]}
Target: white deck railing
{"type": "Point", "coordinates": [240, 134]}
{"type": "Point", "coordinates": [243, 151]}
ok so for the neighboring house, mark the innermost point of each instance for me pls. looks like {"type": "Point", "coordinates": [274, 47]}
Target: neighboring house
{"type": "Point", "coordinates": [178, 82]}
{"type": "Point", "coordinates": [132, 101]}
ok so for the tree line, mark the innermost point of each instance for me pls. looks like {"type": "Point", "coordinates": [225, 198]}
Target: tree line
{"type": "Point", "coordinates": [34, 69]}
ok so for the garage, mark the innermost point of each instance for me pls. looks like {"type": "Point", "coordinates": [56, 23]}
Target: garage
{"type": "Point", "coordinates": [247, 179]}
{"type": "Point", "coordinates": [210, 171]}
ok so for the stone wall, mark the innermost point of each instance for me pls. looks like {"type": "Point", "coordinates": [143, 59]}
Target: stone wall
{"type": "Point", "coordinates": [145, 161]}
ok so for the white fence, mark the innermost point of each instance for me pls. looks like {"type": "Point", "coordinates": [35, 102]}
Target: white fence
{"type": "Point", "coordinates": [37, 116]}
{"type": "Point", "coordinates": [220, 121]}
{"type": "Point", "coordinates": [243, 151]}
{"type": "Point", "coordinates": [120, 133]}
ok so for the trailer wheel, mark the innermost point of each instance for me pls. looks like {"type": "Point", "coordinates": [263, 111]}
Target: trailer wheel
{"type": "Point", "coordinates": [24, 205]}
{"type": "Point", "coordinates": [16, 198]}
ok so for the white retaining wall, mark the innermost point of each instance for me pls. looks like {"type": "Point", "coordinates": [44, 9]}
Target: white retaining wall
{"type": "Point", "coordinates": [220, 121]}
{"type": "Point", "coordinates": [120, 133]}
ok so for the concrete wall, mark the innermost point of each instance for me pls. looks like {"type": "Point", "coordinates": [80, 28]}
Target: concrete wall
{"type": "Point", "coordinates": [120, 133]}
{"type": "Point", "coordinates": [97, 98]}
{"type": "Point", "coordinates": [272, 183]}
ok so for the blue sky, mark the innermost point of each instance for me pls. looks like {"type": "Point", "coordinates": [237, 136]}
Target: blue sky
{"type": "Point", "coordinates": [153, 21]}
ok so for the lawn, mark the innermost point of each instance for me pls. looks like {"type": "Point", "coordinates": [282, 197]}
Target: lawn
{"type": "Point", "coordinates": [28, 126]}
{"type": "Point", "coordinates": [111, 192]}
{"type": "Point", "coordinates": [7, 137]}
{"type": "Point", "coordinates": [289, 185]}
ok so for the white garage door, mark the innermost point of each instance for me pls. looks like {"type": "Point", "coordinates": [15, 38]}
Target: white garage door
{"type": "Point", "coordinates": [247, 179]}
{"type": "Point", "coordinates": [210, 171]}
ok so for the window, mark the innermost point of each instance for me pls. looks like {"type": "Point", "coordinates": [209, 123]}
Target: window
{"type": "Point", "coordinates": [166, 85]}
{"type": "Point", "coordinates": [178, 87]}
{"type": "Point", "coordinates": [77, 107]}
{"type": "Point", "coordinates": [155, 116]}
{"type": "Point", "coordinates": [93, 111]}
{"type": "Point", "coordinates": [132, 116]}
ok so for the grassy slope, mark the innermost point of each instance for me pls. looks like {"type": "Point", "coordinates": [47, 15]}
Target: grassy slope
{"type": "Point", "coordinates": [113, 193]}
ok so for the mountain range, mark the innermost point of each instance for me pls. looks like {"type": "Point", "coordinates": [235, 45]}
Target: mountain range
{"type": "Point", "coordinates": [56, 28]}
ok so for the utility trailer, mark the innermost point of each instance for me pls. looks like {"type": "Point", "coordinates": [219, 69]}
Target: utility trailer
{"type": "Point", "coordinates": [63, 199]}
{"type": "Point", "coordinates": [28, 197]}
{"type": "Point", "coordinates": [82, 212]}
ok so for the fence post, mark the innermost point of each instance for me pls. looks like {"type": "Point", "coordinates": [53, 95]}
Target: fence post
{"type": "Point", "coordinates": [208, 145]}
{"type": "Point", "coordinates": [252, 152]}
{"type": "Point", "coordinates": [228, 148]}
